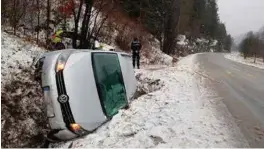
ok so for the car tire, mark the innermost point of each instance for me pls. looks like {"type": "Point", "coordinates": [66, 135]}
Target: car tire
{"type": "Point", "coordinates": [127, 107]}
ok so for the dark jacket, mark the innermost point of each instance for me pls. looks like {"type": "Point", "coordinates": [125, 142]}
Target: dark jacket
{"type": "Point", "coordinates": [135, 46]}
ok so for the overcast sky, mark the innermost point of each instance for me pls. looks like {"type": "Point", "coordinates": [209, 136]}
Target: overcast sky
{"type": "Point", "coordinates": [241, 16]}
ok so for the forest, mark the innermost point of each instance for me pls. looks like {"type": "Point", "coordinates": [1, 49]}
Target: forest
{"type": "Point", "coordinates": [253, 45]}
{"type": "Point", "coordinates": [164, 19]}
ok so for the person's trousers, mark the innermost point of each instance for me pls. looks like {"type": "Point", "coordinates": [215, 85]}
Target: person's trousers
{"type": "Point", "coordinates": [136, 59]}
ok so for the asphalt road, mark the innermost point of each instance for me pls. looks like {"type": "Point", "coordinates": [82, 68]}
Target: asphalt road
{"type": "Point", "coordinates": [242, 90]}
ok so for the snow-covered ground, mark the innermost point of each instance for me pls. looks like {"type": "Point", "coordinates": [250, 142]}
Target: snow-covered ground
{"type": "Point", "coordinates": [181, 111]}
{"type": "Point", "coordinates": [235, 56]}
{"type": "Point", "coordinates": [175, 108]}
{"type": "Point", "coordinates": [155, 55]}
{"type": "Point", "coordinates": [16, 55]}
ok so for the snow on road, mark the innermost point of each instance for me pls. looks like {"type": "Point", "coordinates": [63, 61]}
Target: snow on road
{"type": "Point", "coordinates": [183, 112]}
{"type": "Point", "coordinates": [248, 61]}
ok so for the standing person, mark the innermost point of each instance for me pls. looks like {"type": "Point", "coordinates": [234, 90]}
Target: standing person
{"type": "Point", "coordinates": [135, 47]}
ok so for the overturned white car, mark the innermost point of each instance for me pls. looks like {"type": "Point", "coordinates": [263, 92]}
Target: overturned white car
{"type": "Point", "coordinates": [84, 88]}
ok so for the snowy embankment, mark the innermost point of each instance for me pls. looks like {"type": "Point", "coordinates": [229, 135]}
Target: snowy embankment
{"type": "Point", "coordinates": [237, 57]}
{"type": "Point", "coordinates": [175, 109]}
{"type": "Point", "coordinates": [23, 121]}
{"type": "Point", "coordinates": [16, 56]}
{"type": "Point", "coordinates": [22, 103]}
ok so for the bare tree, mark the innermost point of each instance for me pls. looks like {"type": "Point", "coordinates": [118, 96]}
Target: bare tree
{"type": "Point", "coordinates": [76, 16]}
{"type": "Point", "coordinates": [4, 10]}
{"type": "Point", "coordinates": [261, 36]}
{"type": "Point", "coordinates": [162, 17]}
{"type": "Point", "coordinates": [16, 13]}
{"type": "Point", "coordinates": [48, 21]}
{"type": "Point", "coordinates": [170, 29]}
{"type": "Point", "coordinates": [255, 48]}
{"type": "Point", "coordinates": [92, 21]}
{"type": "Point", "coordinates": [31, 16]}
{"type": "Point", "coordinates": [38, 17]}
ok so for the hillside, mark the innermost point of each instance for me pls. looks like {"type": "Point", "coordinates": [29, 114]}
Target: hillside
{"type": "Point", "coordinates": [156, 118]}
{"type": "Point", "coordinates": [23, 120]}
{"type": "Point", "coordinates": [117, 22]}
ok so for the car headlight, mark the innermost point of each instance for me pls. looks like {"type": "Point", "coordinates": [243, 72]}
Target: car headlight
{"type": "Point", "coordinates": [77, 129]}
{"type": "Point", "coordinates": [61, 62]}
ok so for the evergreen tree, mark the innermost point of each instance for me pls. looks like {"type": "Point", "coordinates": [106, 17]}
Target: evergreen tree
{"type": "Point", "coordinates": [246, 44]}
{"type": "Point", "coordinates": [228, 43]}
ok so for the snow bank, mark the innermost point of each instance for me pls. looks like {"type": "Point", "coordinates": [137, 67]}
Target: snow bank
{"type": "Point", "coordinates": [147, 85]}
{"type": "Point", "coordinates": [16, 55]}
{"type": "Point", "coordinates": [202, 40]}
{"type": "Point", "coordinates": [158, 57]}
{"type": "Point", "coordinates": [214, 43]}
{"type": "Point", "coordinates": [184, 112]}
{"type": "Point", "coordinates": [182, 40]}
{"type": "Point", "coordinates": [186, 47]}
{"type": "Point", "coordinates": [155, 55]}
{"type": "Point", "coordinates": [235, 56]}
{"type": "Point", "coordinates": [23, 119]}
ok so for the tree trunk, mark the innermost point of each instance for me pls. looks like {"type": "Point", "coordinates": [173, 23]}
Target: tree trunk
{"type": "Point", "coordinates": [14, 24]}
{"type": "Point", "coordinates": [161, 42]}
{"type": "Point", "coordinates": [48, 22]}
{"type": "Point", "coordinates": [76, 24]}
{"type": "Point", "coordinates": [171, 23]}
{"type": "Point", "coordinates": [74, 38]}
{"type": "Point", "coordinates": [85, 36]}
{"type": "Point", "coordinates": [64, 16]}
{"type": "Point", "coordinates": [14, 29]}
{"type": "Point", "coordinates": [38, 21]}
{"type": "Point", "coordinates": [83, 29]}
{"type": "Point", "coordinates": [255, 57]}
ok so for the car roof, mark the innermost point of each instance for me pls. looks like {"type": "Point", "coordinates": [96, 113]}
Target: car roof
{"type": "Point", "coordinates": [52, 53]}
{"type": "Point", "coordinates": [80, 50]}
